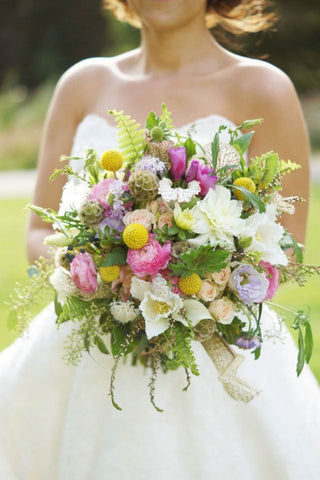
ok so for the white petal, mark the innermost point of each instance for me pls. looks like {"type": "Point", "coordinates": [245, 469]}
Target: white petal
{"type": "Point", "coordinates": [196, 311]}
{"type": "Point", "coordinates": [139, 288]}
{"type": "Point", "coordinates": [154, 329]}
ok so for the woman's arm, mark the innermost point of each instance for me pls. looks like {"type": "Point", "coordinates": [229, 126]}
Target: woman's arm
{"type": "Point", "coordinates": [64, 114]}
{"type": "Point", "coordinates": [271, 95]}
{"type": "Point", "coordinates": [73, 98]}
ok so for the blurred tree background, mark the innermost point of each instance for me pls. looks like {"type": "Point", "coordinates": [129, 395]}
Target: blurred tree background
{"type": "Point", "coordinates": [39, 39]}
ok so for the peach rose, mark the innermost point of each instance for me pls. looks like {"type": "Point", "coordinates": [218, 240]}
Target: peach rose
{"type": "Point", "coordinates": [222, 310]}
{"type": "Point", "coordinates": [222, 277]}
{"type": "Point", "coordinates": [208, 291]}
{"type": "Point", "coordinates": [165, 219]}
{"type": "Point", "coordinates": [142, 216]}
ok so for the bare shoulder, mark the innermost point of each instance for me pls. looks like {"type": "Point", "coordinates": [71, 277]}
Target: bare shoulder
{"type": "Point", "coordinates": [81, 83]}
{"type": "Point", "coordinates": [262, 87]}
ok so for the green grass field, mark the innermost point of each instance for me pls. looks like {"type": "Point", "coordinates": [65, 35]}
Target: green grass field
{"type": "Point", "coordinates": [14, 264]}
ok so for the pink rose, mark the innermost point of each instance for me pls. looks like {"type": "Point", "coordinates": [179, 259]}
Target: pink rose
{"type": "Point", "coordinates": [100, 192]}
{"type": "Point", "coordinates": [222, 310]}
{"type": "Point", "coordinates": [208, 291]}
{"type": "Point", "coordinates": [222, 277]}
{"type": "Point", "coordinates": [142, 216]}
{"type": "Point", "coordinates": [83, 272]}
{"type": "Point", "coordinates": [272, 275]}
{"type": "Point", "coordinates": [150, 259]}
{"type": "Point", "coordinates": [165, 219]}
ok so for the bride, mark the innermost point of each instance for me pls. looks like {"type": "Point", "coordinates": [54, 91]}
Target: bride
{"type": "Point", "coordinates": [57, 422]}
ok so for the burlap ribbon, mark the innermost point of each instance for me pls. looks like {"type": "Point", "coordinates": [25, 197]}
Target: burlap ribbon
{"type": "Point", "coordinates": [227, 363]}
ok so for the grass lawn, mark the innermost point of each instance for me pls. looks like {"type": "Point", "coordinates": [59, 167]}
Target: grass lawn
{"type": "Point", "coordinates": [14, 264]}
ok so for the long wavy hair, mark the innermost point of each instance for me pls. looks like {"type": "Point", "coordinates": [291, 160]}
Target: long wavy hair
{"type": "Point", "coordinates": [237, 17]}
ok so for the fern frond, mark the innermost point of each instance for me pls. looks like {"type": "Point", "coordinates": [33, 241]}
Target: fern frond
{"type": "Point", "coordinates": [130, 137]}
{"type": "Point", "coordinates": [182, 348]}
{"type": "Point", "coordinates": [288, 166]}
{"type": "Point", "coordinates": [166, 117]}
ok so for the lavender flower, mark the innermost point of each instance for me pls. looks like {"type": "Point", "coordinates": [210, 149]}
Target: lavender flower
{"type": "Point", "coordinates": [248, 342]}
{"type": "Point", "coordinates": [249, 285]}
{"type": "Point", "coordinates": [153, 164]}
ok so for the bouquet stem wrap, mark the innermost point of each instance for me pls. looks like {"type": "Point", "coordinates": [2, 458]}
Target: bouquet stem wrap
{"type": "Point", "coordinates": [227, 363]}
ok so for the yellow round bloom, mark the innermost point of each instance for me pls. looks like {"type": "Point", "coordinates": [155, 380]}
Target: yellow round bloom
{"type": "Point", "coordinates": [111, 160]}
{"type": "Point", "coordinates": [135, 235]}
{"type": "Point", "coordinates": [183, 218]}
{"type": "Point", "coordinates": [190, 285]}
{"type": "Point", "coordinates": [108, 274]}
{"type": "Point", "coordinates": [246, 183]}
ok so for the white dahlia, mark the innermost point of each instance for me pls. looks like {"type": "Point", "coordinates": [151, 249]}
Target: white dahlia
{"type": "Point", "coordinates": [217, 219]}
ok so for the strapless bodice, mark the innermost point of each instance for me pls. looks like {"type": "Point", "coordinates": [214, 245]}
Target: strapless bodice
{"type": "Point", "coordinates": [97, 133]}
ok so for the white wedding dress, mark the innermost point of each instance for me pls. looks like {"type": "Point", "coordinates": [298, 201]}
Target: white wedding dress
{"type": "Point", "coordinates": [58, 423]}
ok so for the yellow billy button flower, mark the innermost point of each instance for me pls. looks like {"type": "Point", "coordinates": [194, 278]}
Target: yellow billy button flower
{"type": "Point", "coordinates": [183, 218]}
{"type": "Point", "coordinates": [108, 274]}
{"type": "Point", "coordinates": [111, 160]}
{"type": "Point", "coordinates": [190, 285]}
{"type": "Point", "coordinates": [246, 183]}
{"type": "Point", "coordinates": [135, 235]}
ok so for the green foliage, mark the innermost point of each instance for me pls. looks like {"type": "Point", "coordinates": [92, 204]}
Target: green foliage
{"type": "Point", "coordinates": [166, 116]}
{"type": "Point", "coordinates": [117, 256]}
{"type": "Point", "coordinates": [27, 295]}
{"type": "Point", "coordinates": [190, 147]}
{"type": "Point", "coordinates": [232, 331]}
{"type": "Point", "coordinates": [241, 144]}
{"type": "Point", "coordinates": [305, 342]}
{"type": "Point", "coordinates": [130, 137]}
{"type": "Point", "coordinates": [215, 150]}
{"type": "Point", "coordinates": [204, 259]}
{"type": "Point", "coordinates": [182, 349]}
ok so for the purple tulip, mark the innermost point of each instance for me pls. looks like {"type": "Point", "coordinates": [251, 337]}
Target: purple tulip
{"type": "Point", "coordinates": [178, 158]}
{"type": "Point", "coordinates": [192, 171]}
{"type": "Point", "coordinates": [206, 179]}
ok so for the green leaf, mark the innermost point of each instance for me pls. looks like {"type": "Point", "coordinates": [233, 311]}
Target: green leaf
{"type": "Point", "coordinates": [118, 336]}
{"type": "Point", "coordinates": [248, 124]}
{"type": "Point", "coordinates": [308, 340]}
{"type": "Point", "coordinates": [257, 353]}
{"type": "Point", "coordinates": [32, 271]}
{"type": "Point", "coordinates": [118, 256]}
{"type": "Point", "coordinates": [204, 259]}
{"type": "Point", "coordinates": [190, 147]}
{"type": "Point", "coordinates": [173, 230]}
{"type": "Point", "coordinates": [12, 319]}
{"type": "Point", "coordinates": [251, 198]}
{"type": "Point", "coordinates": [141, 345]}
{"type": "Point", "coordinates": [101, 345]}
{"type": "Point", "coordinates": [57, 306]}
{"type": "Point", "coordinates": [242, 143]}
{"type": "Point", "coordinates": [271, 168]}
{"type": "Point", "coordinates": [296, 248]}
{"type": "Point", "coordinates": [301, 353]}
{"type": "Point", "coordinates": [151, 121]}
{"type": "Point", "coordinates": [215, 150]}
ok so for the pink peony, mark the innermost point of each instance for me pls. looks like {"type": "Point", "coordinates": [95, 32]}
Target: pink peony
{"type": "Point", "coordinates": [150, 259]}
{"type": "Point", "coordinates": [272, 275]}
{"type": "Point", "coordinates": [83, 272]}
{"type": "Point", "coordinates": [100, 192]}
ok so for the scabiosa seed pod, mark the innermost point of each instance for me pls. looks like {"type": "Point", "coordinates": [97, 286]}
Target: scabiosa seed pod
{"type": "Point", "coordinates": [143, 185]}
{"type": "Point", "coordinates": [179, 248]}
{"type": "Point", "coordinates": [91, 212]}
{"type": "Point", "coordinates": [159, 149]}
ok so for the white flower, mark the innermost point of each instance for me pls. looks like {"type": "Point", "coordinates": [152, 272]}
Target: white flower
{"type": "Point", "coordinates": [266, 236]}
{"type": "Point", "coordinates": [283, 204]}
{"type": "Point", "coordinates": [73, 196]}
{"type": "Point", "coordinates": [124, 312]}
{"type": "Point", "coordinates": [63, 284]}
{"type": "Point", "coordinates": [217, 219]}
{"type": "Point", "coordinates": [178, 194]}
{"type": "Point", "coordinates": [159, 303]}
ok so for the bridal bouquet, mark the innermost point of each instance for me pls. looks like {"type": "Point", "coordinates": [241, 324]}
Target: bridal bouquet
{"type": "Point", "coordinates": [166, 241]}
